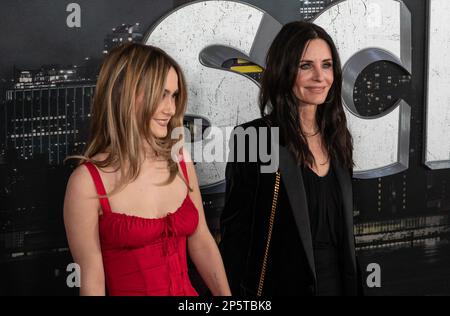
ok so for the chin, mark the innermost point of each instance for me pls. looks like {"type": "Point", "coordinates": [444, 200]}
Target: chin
{"type": "Point", "coordinates": [161, 135]}
{"type": "Point", "coordinates": [315, 101]}
{"type": "Point", "coordinates": [159, 132]}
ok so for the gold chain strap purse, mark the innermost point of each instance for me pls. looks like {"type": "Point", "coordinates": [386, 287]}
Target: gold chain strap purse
{"type": "Point", "coordinates": [269, 235]}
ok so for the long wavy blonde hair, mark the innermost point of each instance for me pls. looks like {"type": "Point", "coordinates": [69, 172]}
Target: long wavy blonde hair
{"type": "Point", "coordinates": [119, 125]}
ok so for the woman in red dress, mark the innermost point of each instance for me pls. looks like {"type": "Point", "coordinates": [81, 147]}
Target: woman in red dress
{"type": "Point", "coordinates": [133, 206]}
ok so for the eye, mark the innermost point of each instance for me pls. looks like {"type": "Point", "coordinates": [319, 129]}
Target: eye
{"type": "Point", "coordinates": [327, 65]}
{"type": "Point", "coordinates": [305, 66]}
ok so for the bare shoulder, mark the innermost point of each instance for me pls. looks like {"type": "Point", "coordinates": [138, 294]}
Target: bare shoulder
{"type": "Point", "coordinates": [81, 175]}
{"type": "Point", "coordinates": [80, 182]}
{"type": "Point", "coordinates": [81, 204]}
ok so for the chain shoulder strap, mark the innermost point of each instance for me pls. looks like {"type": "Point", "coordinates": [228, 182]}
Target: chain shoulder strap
{"type": "Point", "coordinates": [276, 189]}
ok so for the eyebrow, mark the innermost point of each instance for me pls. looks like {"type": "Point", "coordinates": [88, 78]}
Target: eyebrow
{"type": "Point", "coordinates": [311, 61]}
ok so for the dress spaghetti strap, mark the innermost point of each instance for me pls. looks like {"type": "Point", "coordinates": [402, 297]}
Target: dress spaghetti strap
{"type": "Point", "coordinates": [184, 169]}
{"type": "Point", "coordinates": [104, 202]}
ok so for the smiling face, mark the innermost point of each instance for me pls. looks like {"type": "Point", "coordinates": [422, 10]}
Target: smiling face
{"type": "Point", "coordinates": [315, 73]}
{"type": "Point", "coordinates": [167, 107]}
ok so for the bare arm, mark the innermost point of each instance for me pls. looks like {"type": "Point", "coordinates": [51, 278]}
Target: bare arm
{"type": "Point", "coordinates": [81, 221]}
{"type": "Point", "coordinates": [202, 247]}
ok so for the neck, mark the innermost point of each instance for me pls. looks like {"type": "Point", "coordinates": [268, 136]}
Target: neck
{"type": "Point", "coordinates": [149, 152]}
{"type": "Point", "coordinates": [307, 117]}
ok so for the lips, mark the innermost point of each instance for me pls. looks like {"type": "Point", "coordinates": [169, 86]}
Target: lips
{"type": "Point", "coordinates": [316, 89]}
{"type": "Point", "coordinates": [162, 122]}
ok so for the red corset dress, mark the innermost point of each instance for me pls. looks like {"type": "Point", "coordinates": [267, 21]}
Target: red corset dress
{"type": "Point", "coordinates": [144, 256]}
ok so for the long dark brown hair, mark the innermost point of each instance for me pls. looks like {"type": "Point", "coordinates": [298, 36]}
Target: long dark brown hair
{"type": "Point", "coordinates": [280, 105]}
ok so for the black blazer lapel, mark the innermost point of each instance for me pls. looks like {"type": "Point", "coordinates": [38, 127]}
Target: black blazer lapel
{"type": "Point", "coordinates": [292, 179]}
{"type": "Point", "coordinates": [345, 183]}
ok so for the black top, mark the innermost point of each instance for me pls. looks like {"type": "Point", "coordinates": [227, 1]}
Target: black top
{"type": "Point", "coordinates": [325, 212]}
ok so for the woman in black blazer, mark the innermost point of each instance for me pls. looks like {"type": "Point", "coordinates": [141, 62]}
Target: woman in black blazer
{"type": "Point", "coordinates": [290, 232]}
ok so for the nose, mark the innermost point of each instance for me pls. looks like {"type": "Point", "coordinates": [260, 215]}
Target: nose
{"type": "Point", "coordinates": [318, 73]}
{"type": "Point", "coordinates": [169, 106]}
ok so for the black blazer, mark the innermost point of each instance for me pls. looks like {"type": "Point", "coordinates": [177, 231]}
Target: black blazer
{"type": "Point", "coordinates": [245, 220]}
